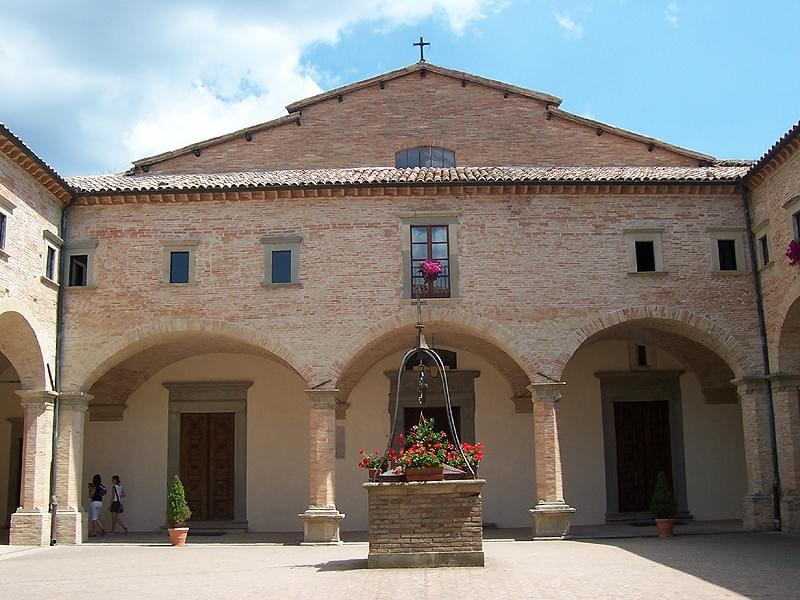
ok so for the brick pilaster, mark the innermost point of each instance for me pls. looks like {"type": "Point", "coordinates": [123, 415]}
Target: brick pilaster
{"type": "Point", "coordinates": [71, 519]}
{"type": "Point", "coordinates": [30, 524]}
{"type": "Point", "coordinates": [757, 504]}
{"type": "Point", "coordinates": [322, 520]}
{"type": "Point", "coordinates": [551, 515]}
{"type": "Point", "coordinates": [786, 399]}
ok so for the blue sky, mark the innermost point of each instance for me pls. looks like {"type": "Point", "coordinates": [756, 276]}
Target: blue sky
{"type": "Point", "coordinates": [92, 85]}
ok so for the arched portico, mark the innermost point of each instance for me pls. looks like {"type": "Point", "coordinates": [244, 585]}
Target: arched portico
{"type": "Point", "coordinates": [635, 370]}
{"type": "Point", "coordinates": [786, 398]}
{"type": "Point", "coordinates": [27, 409]}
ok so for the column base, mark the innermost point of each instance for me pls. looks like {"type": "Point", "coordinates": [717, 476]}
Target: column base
{"type": "Point", "coordinates": [72, 527]}
{"type": "Point", "coordinates": [757, 514]}
{"type": "Point", "coordinates": [29, 528]}
{"type": "Point", "coordinates": [790, 512]}
{"type": "Point", "coordinates": [551, 519]}
{"type": "Point", "coordinates": [321, 526]}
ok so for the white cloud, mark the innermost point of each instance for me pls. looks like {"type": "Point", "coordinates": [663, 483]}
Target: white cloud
{"type": "Point", "coordinates": [122, 86]}
{"type": "Point", "coordinates": [671, 14]}
{"type": "Point", "coordinates": [572, 29]}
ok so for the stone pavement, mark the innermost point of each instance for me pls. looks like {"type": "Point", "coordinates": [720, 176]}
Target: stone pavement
{"type": "Point", "coordinates": [764, 565]}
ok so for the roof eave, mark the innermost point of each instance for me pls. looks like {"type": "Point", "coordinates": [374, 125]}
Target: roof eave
{"type": "Point", "coordinates": [63, 191]}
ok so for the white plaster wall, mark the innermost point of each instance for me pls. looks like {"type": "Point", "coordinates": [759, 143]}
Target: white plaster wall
{"type": "Point", "coordinates": [713, 439]}
{"type": "Point", "coordinates": [507, 437]}
{"type": "Point", "coordinates": [277, 442]}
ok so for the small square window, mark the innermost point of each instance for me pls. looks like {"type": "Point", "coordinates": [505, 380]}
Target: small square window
{"type": "Point", "coordinates": [78, 270]}
{"type": "Point", "coordinates": [727, 255]}
{"type": "Point", "coordinates": [50, 263]}
{"type": "Point", "coordinates": [179, 267]}
{"type": "Point", "coordinates": [645, 256]}
{"type": "Point", "coordinates": [281, 266]}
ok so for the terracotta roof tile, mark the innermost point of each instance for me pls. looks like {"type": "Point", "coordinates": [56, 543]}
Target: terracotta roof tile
{"type": "Point", "coordinates": [113, 184]}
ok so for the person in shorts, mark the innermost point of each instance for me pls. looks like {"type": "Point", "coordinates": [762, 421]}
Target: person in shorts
{"type": "Point", "coordinates": [96, 492]}
{"type": "Point", "coordinates": [116, 508]}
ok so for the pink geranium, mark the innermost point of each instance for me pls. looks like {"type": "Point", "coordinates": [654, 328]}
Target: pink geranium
{"type": "Point", "coordinates": [430, 269]}
{"type": "Point", "coordinates": [793, 252]}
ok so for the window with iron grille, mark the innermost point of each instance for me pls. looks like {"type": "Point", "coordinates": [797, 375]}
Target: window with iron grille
{"type": "Point", "coordinates": [425, 156]}
{"type": "Point", "coordinates": [430, 242]}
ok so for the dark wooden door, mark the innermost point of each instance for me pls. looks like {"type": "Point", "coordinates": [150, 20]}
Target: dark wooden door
{"type": "Point", "coordinates": [207, 467]}
{"type": "Point", "coordinates": [643, 449]}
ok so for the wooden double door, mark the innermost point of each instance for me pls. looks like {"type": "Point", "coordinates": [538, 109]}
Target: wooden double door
{"type": "Point", "coordinates": [207, 455]}
{"type": "Point", "coordinates": [643, 449]}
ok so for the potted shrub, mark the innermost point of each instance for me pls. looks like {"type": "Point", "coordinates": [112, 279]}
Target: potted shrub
{"type": "Point", "coordinates": [177, 513]}
{"type": "Point", "coordinates": [424, 452]}
{"type": "Point", "coordinates": [663, 507]}
{"type": "Point", "coordinates": [375, 462]}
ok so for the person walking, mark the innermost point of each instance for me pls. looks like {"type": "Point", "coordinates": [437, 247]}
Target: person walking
{"type": "Point", "coordinates": [96, 492]}
{"type": "Point", "coordinates": [117, 508]}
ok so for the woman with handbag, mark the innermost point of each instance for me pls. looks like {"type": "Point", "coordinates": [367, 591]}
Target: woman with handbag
{"type": "Point", "coordinates": [116, 508]}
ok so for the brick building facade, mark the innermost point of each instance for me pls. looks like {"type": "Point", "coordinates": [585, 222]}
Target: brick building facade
{"type": "Point", "coordinates": [235, 310]}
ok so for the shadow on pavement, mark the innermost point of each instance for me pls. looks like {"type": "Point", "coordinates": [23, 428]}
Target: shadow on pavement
{"type": "Point", "coordinates": [351, 564]}
{"type": "Point", "coordinates": [762, 565]}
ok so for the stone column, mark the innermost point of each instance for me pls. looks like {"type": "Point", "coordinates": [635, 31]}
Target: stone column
{"type": "Point", "coordinates": [71, 520]}
{"type": "Point", "coordinates": [321, 521]}
{"type": "Point", "coordinates": [30, 524]}
{"type": "Point", "coordinates": [786, 399]}
{"type": "Point", "coordinates": [551, 515]}
{"type": "Point", "coordinates": [757, 513]}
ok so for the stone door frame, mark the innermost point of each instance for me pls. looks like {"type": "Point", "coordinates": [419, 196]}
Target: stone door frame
{"type": "Point", "coordinates": [642, 386]}
{"type": "Point", "coordinates": [211, 397]}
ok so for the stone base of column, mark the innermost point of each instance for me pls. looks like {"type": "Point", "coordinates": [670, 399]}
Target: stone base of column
{"type": "Point", "coordinates": [790, 512]}
{"type": "Point", "coordinates": [29, 529]}
{"type": "Point", "coordinates": [551, 519]}
{"type": "Point", "coordinates": [72, 527]}
{"type": "Point", "coordinates": [757, 514]}
{"type": "Point", "coordinates": [321, 526]}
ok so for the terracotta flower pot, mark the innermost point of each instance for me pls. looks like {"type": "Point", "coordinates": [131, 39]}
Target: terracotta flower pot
{"type": "Point", "coordinates": [665, 527]}
{"type": "Point", "coordinates": [371, 473]}
{"type": "Point", "coordinates": [177, 535]}
{"type": "Point", "coordinates": [424, 473]}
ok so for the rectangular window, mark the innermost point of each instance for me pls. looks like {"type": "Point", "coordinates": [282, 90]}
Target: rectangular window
{"type": "Point", "coordinates": [727, 255]}
{"type": "Point", "coordinates": [645, 256]}
{"type": "Point", "coordinates": [3, 222]}
{"type": "Point", "coordinates": [281, 266]}
{"type": "Point", "coordinates": [179, 267]}
{"type": "Point", "coordinates": [796, 223]}
{"type": "Point", "coordinates": [78, 270]}
{"type": "Point", "coordinates": [430, 242]}
{"type": "Point", "coordinates": [50, 263]}
{"type": "Point", "coordinates": [763, 246]}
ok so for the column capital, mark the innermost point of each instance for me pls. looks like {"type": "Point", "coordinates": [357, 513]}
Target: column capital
{"type": "Point", "coordinates": [41, 398]}
{"type": "Point", "coordinates": [546, 392]}
{"type": "Point", "coordinates": [750, 385]}
{"type": "Point", "coordinates": [785, 381]}
{"type": "Point", "coordinates": [78, 401]}
{"type": "Point", "coordinates": [323, 398]}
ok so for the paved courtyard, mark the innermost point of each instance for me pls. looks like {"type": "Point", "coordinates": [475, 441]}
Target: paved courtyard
{"type": "Point", "coordinates": [698, 566]}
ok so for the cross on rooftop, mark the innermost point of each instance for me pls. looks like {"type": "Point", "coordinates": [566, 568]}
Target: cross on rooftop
{"type": "Point", "coordinates": [421, 43]}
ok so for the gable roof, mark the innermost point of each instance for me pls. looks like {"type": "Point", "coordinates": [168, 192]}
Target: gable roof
{"type": "Point", "coordinates": [423, 66]}
{"type": "Point", "coordinates": [295, 113]}
{"type": "Point", "coordinates": [16, 150]}
{"type": "Point", "coordinates": [376, 176]}
{"type": "Point", "coordinates": [786, 145]}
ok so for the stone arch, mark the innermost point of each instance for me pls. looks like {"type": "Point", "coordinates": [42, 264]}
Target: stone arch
{"type": "Point", "coordinates": [700, 331]}
{"type": "Point", "coordinates": [787, 332]}
{"type": "Point", "coordinates": [450, 327]}
{"type": "Point", "coordinates": [20, 344]}
{"type": "Point", "coordinates": [149, 335]}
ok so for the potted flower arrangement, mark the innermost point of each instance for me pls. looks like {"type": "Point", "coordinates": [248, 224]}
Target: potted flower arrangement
{"type": "Point", "coordinates": [793, 252]}
{"type": "Point", "coordinates": [472, 452]}
{"type": "Point", "coordinates": [178, 513]}
{"type": "Point", "coordinates": [663, 507]}
{"type": "Point", "coordinates": [424, 452]}
{"type": "Point", "coordinates": [375, 461]}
